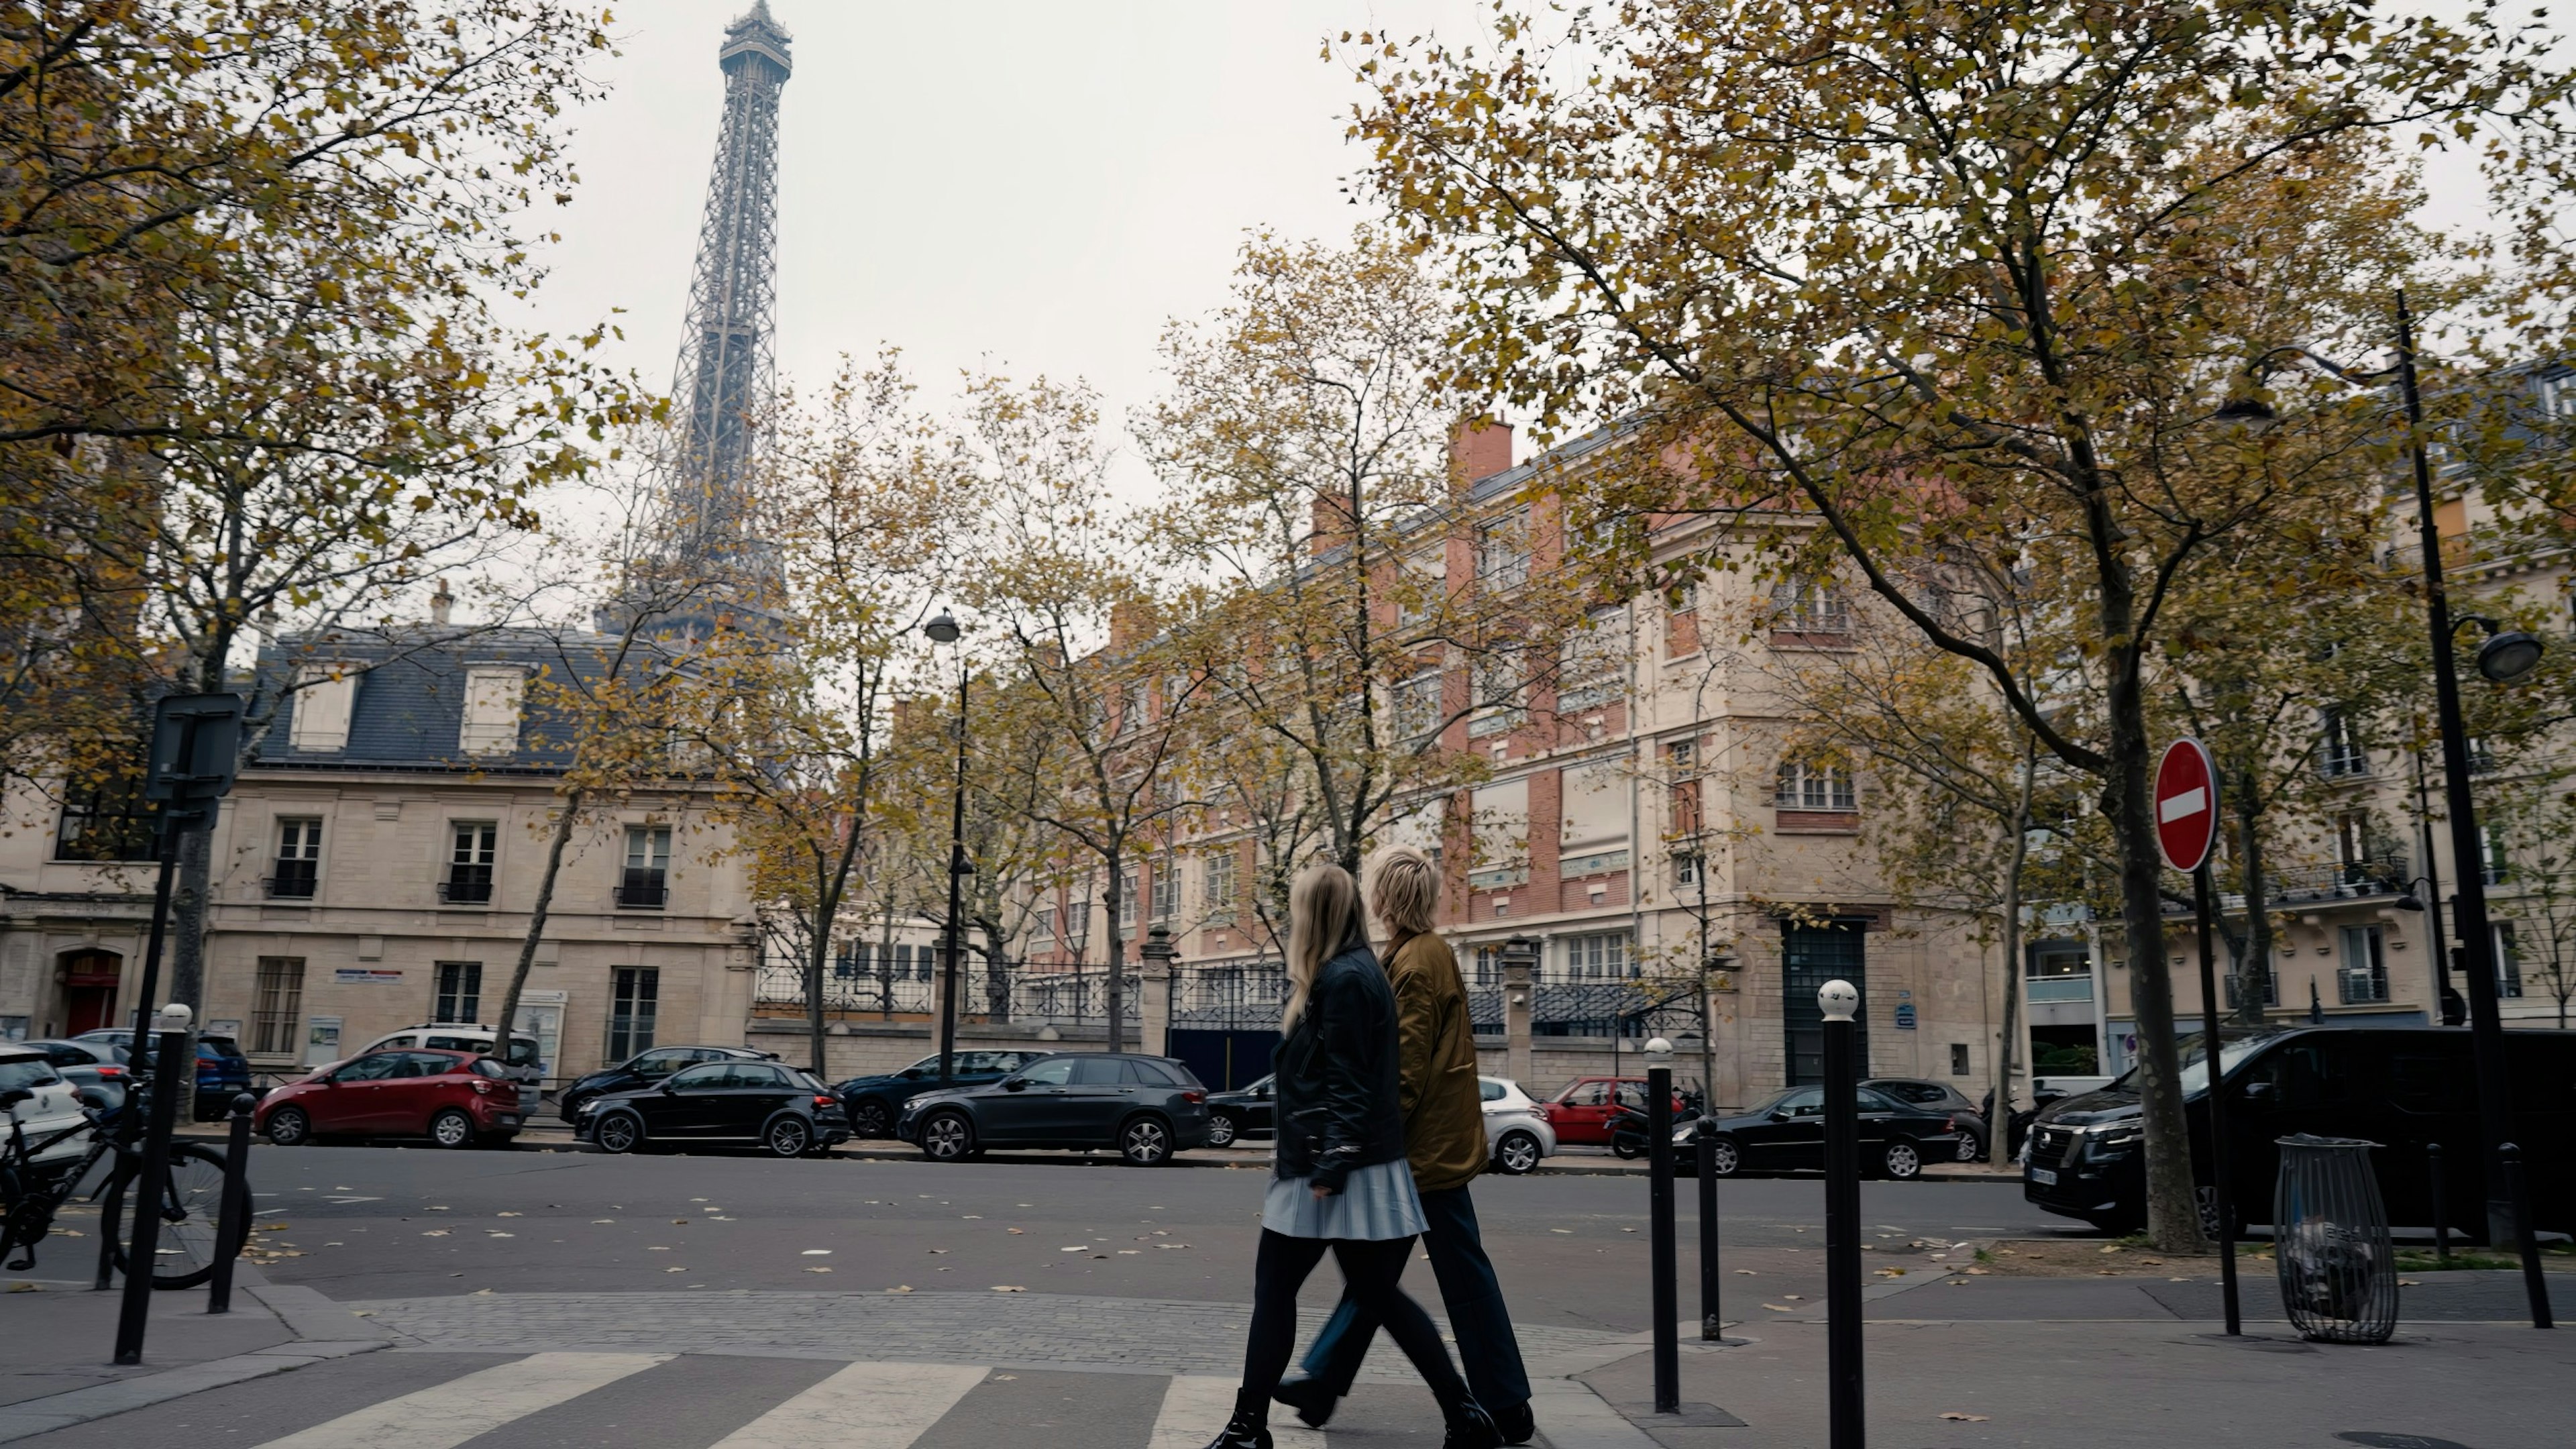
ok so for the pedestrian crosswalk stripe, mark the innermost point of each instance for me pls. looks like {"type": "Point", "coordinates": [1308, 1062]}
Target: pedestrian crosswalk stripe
{"type": "Point", "coordinates": [460, 1409]}
{"type": "Point", "coordinates": [864, 1406]}
{"type": "Point", "coordinates": [1196, 1406]}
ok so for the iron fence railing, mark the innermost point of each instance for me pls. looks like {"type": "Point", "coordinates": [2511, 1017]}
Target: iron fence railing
{"type": "Point", "coordinates": [1639, 1009]}
{"type": "Point", "coordinates": [2382, 873]}
{"type": "Point", "coordinates": [1034, 993]}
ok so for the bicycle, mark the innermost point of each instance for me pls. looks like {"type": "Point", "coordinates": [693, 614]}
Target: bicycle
{"type": "Point", "coordinates": [191, 1204]}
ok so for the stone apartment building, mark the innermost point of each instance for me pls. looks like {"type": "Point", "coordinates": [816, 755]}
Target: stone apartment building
{"type": "Point", "coordinates": [375, 867]}
{"type": "Point", "coordinates": [1637, 810]}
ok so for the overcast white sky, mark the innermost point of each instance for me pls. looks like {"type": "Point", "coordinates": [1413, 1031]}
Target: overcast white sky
{"type": "Point", "coordinates": [1035, 186]}
{"type": "Point", "coordinates": [1039, 186]}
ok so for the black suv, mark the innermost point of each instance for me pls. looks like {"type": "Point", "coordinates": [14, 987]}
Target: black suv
{"type": "Point", "coordinates": [645, 1069]}
{"type": "Point", "coordinates": [1146, 1107]}
{"type": "Point", "coordinates": [874, 1102]}
{"type": "Point", "coordinates": [2404, 1088]}
{"type": "Point", "coordinates": [777, 1106]}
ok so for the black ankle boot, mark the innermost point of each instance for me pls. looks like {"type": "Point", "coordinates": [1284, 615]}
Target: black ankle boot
{"type": "Point", "coordinates": [1470, 1427]}
{"type": "Point", "coordinates": [1310, 1396]}
{"type": "Point", "coordinates": [1241, 1432]}
{"type": "Point", "coordinates": [1515, 1422]}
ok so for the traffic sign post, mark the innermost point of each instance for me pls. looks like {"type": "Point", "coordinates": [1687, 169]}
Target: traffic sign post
{"type": "Point", "coordinates": [2186, 798]}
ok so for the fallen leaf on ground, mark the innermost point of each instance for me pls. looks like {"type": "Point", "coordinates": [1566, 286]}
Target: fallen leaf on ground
{"type": "Point", "coordinates": [521, 1215]}
{"type": "Point", "coordinates": [937, 1251]}
{"type": "Point", "coordinates": [480, 1293]}
{"type": "Point", "coordinates": [1891, 1272]}
{"type": "Point", "coordinates": [1795, 1297]}
{"type": "Point", "coordinates": [1779, 1307]}
{"type": "Point", "coordinates": [1008, 1288]}
{"type": "Point", "coordinates": [2114, 1247]}
{"type": "Point", "coordinates": [2159, 1262]}
{"type": "Point", "coordinates": [900, 1288]}
{"type": "Point", "coordinates": [435, 1233]}
{"type": "Point", "coordinates": [1981, 1272]}
{"type": "Point", "coordinates": [679, 1222]}
{"type": "Point", "coordinates": [818, 1270]}
{"type": "Point", "coordinates": [675, 1270]}
{"type": "Point", "coordinates": [1569, 1232]}
{"type": "Point", "coordinates": [26, 1288]}
{"type": "Point", "coordinates": [2402, 1282]}
{"type": "Point", "coordinates": [1015, 1232]}
{"type": "Point", "coordinates": [1747, 1272]}
{"type": "Point", "coordinates": [1954, 1416]}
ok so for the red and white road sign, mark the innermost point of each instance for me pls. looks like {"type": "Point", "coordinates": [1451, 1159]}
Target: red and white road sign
{"type": "Point", "coordinates": [2186, 798]}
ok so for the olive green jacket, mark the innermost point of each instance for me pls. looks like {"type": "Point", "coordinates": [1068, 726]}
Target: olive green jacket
{"type": "Point", "coordinates": [1444, 1112]}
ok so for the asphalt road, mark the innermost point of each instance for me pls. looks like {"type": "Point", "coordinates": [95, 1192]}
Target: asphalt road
{"type": "Point", "coordinates": [365, 1223]}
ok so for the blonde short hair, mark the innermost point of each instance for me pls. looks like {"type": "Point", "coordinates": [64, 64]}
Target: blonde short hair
{"type": "Point", "coordinates": [1403, 889]}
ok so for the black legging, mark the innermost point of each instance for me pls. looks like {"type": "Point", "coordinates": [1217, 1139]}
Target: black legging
{"type": "Point", "coordinates": [1374, 1271]}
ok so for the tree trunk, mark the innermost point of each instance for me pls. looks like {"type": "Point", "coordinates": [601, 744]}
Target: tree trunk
{"type": "Point", "coordinates": [187, 980]}
{"type": "Point", "coordinates": [1117, 990]}
{"type": "Point", "coordinates": [2254, 964]}
{"type": "Point", "coordinates": [1999, 1119]}
{"type": "Point", "coordinates": [2173, 1200]}
{"type": "Point", "coordinates": [565, 817]}
{"type": "Point", "coordinates": [818, 950]}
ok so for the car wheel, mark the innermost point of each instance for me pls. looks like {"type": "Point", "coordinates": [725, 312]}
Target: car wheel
{"type": "Point", "coordinates": [618, 1132]}
{"type": "Point", "coordinates": [948, 1137]}
{"type": "Point", "coordinates": [788, 1137]}
{"type": "Point", "coordinates": [871, 1119]}
{"type": "Point", "coordinates": [1145, 1142]}
{"type": "Point", "coordinates": [1968, 1148]}
{"type": "Point", "coordinates": [289, 1127]}
{"type": "Point", "coordinates": [1221, 1129]}
{"type": "Point", "coordinates": [1725, 1159]}
{"type": "Point", "coordinates": [451, 1128]}
{"type": "Point", "coordinates": [1902, 1160]}
{"type": "Point", "coordinates": [2209, 1216]}
{"type": "Point", "coordinates": [1517, 1152]}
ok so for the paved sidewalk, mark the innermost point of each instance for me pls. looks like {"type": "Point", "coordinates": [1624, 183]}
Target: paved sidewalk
{"type": "Point", "coordinates": [60, 1335]}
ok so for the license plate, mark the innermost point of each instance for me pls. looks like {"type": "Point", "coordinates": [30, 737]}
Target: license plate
{"type": "Point", "coordinates": [507, 1121]}
{"type": "Point", "coordinates": [2043, 1177]}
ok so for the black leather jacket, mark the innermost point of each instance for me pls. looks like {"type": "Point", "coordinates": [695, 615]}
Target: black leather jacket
{"type": "Point", "coordinates": [1337, 1081]}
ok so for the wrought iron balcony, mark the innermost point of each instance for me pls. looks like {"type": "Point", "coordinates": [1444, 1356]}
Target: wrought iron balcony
{"type": "Point", "coordinates": [641, 890]}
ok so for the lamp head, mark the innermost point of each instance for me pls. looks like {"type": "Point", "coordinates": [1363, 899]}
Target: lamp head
{"type": "Point", "coordinates": [2245, 410]}
{"type": "Point", "coordinates": [2508, 656]}
{"type": "Point", "coordinates": [1659, 1050]}
{"type": "Point", "coordinates": [1838, 999]}
{"type": "Point", "coordinates": [943, 629]}
{"type": "Point", "coordinates": [2410, 901]}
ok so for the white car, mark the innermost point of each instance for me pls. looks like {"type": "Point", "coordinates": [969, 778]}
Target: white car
{"type": "Point", "coordinates": [1516, 1127]}
{"type": "Point", "coordinates": [522, 1066]}
{"type": "Point", "coordinates": [51, 1108]}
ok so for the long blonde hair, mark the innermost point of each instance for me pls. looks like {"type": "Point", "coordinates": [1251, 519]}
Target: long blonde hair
{"type": "Point", "coordinates": [1323, 909]}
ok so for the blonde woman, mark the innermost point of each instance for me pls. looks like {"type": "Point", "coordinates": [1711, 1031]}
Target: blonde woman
{"type": "Point", "coordinates": [1340, 1179]}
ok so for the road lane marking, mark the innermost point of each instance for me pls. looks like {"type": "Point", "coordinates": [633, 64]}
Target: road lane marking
{"type": "Point", "coordinates": [864, 1406]}
{"type": "Point", "coordinates": [460, 1409]}
{"type": "Point", "coordinates": [1196, 1406]}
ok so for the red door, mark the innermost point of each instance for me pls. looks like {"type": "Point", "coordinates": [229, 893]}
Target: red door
{"type": "Point", "coordinates": [1581, 1113]}
{"type": "Point", "coordinates": [89, 990]}
{"type": "Point", "coordinates": [416, 1087]}
{"type": "Point", "coordinates": [353, 1101]}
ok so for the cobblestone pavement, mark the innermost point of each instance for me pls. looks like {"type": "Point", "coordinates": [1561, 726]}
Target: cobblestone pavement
{"type": "Point", "coordinates": [1141, 1335]}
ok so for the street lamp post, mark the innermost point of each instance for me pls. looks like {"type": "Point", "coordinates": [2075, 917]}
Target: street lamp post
{"type": "Point", "coordinates": [2505, 655]}
{"type": "Point", "coordinates": [944, 630]}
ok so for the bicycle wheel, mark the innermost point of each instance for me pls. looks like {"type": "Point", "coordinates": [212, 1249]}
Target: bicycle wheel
{"type": "Point", "coordinates": [190, 1217]}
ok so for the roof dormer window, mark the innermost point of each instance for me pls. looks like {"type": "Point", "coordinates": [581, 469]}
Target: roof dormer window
{"type": "Point", "coordinates": [492, 696]}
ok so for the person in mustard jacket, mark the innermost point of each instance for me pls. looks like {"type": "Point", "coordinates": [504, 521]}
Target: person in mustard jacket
{"type": "Point", "coordinates": [1444, 1138]}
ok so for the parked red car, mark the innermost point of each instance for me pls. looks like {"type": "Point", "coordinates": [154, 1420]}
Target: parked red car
{"type": "Point", "coordinates": [455, 1099]}
{"type": "Point", "coordinates": [1582, 1112]}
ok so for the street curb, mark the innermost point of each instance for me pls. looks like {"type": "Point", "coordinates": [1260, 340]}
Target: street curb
{"type": "Point", "coordinates": [78, 1406]}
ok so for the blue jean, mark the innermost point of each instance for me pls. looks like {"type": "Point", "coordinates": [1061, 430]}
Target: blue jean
{"type": "Point", "coordinates": [1470, 1292]}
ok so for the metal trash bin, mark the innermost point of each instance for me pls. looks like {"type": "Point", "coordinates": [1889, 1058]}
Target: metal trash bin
{"type": "Point", "coordinates": [2338, 1273]}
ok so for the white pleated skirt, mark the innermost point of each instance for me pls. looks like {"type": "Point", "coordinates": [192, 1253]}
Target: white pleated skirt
{"type": "Point", "coordinates": [1376, 1203]}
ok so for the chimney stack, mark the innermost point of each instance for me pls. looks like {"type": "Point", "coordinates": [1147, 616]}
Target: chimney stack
{"type": "Point", "coordinates": [441, 604]}
{"type": "Point", "coordinates": [1331, 524]}
{"type": "Point", "coordinates": [1479, 449]}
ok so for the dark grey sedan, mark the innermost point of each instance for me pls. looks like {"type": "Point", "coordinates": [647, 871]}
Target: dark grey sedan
{"type": "Point", "coordinates": [1940, 1097]}
{"type": "Point", "coordinates": [1145, 1107]}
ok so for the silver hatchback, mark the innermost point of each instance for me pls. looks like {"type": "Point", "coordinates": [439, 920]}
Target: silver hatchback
{"type": "Point", "coordinates": [1516, 1126]}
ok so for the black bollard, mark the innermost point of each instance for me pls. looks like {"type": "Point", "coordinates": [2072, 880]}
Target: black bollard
{"type": "Point", "coordinates": [2441, 1209]}
{"type": "Point", "coordinates": [2517, 1192]}
{"type": "Point", "coordinates": [176, 1061]}
{"type": "Point", "coordinates": [1849, 1429]}
{"type": "Point", "coordinates": [236, 1206]}
{"type": "Point", "coordinates": [1712, 1326]}
{"type": "Point", "coordinates": [2213, 1058]}
{"type": "Point", "coordinates": [1659, 1176]}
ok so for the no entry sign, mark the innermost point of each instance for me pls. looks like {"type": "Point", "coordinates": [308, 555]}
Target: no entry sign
{"type": "Point", "coordinates": [2186, 805]}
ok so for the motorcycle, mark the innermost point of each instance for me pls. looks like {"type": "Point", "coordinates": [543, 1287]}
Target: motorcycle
{"type": "Point", "coordinates": [1628, 1125]}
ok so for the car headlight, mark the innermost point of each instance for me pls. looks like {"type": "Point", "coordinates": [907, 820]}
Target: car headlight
{"type": "Point", "coordinates": [586, 1108]}
{"type": "Point", "coordinates": [913, 1104]}
{"type": "Point", "coordinates": [2118, 1134]}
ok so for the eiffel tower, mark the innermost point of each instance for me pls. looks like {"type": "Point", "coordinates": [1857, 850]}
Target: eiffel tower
{"type": "Point", "coordinates": [703, 557]}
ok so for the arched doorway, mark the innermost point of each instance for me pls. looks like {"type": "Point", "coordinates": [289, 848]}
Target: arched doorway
{"type": "Point", "coordinates": [90, 980]}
